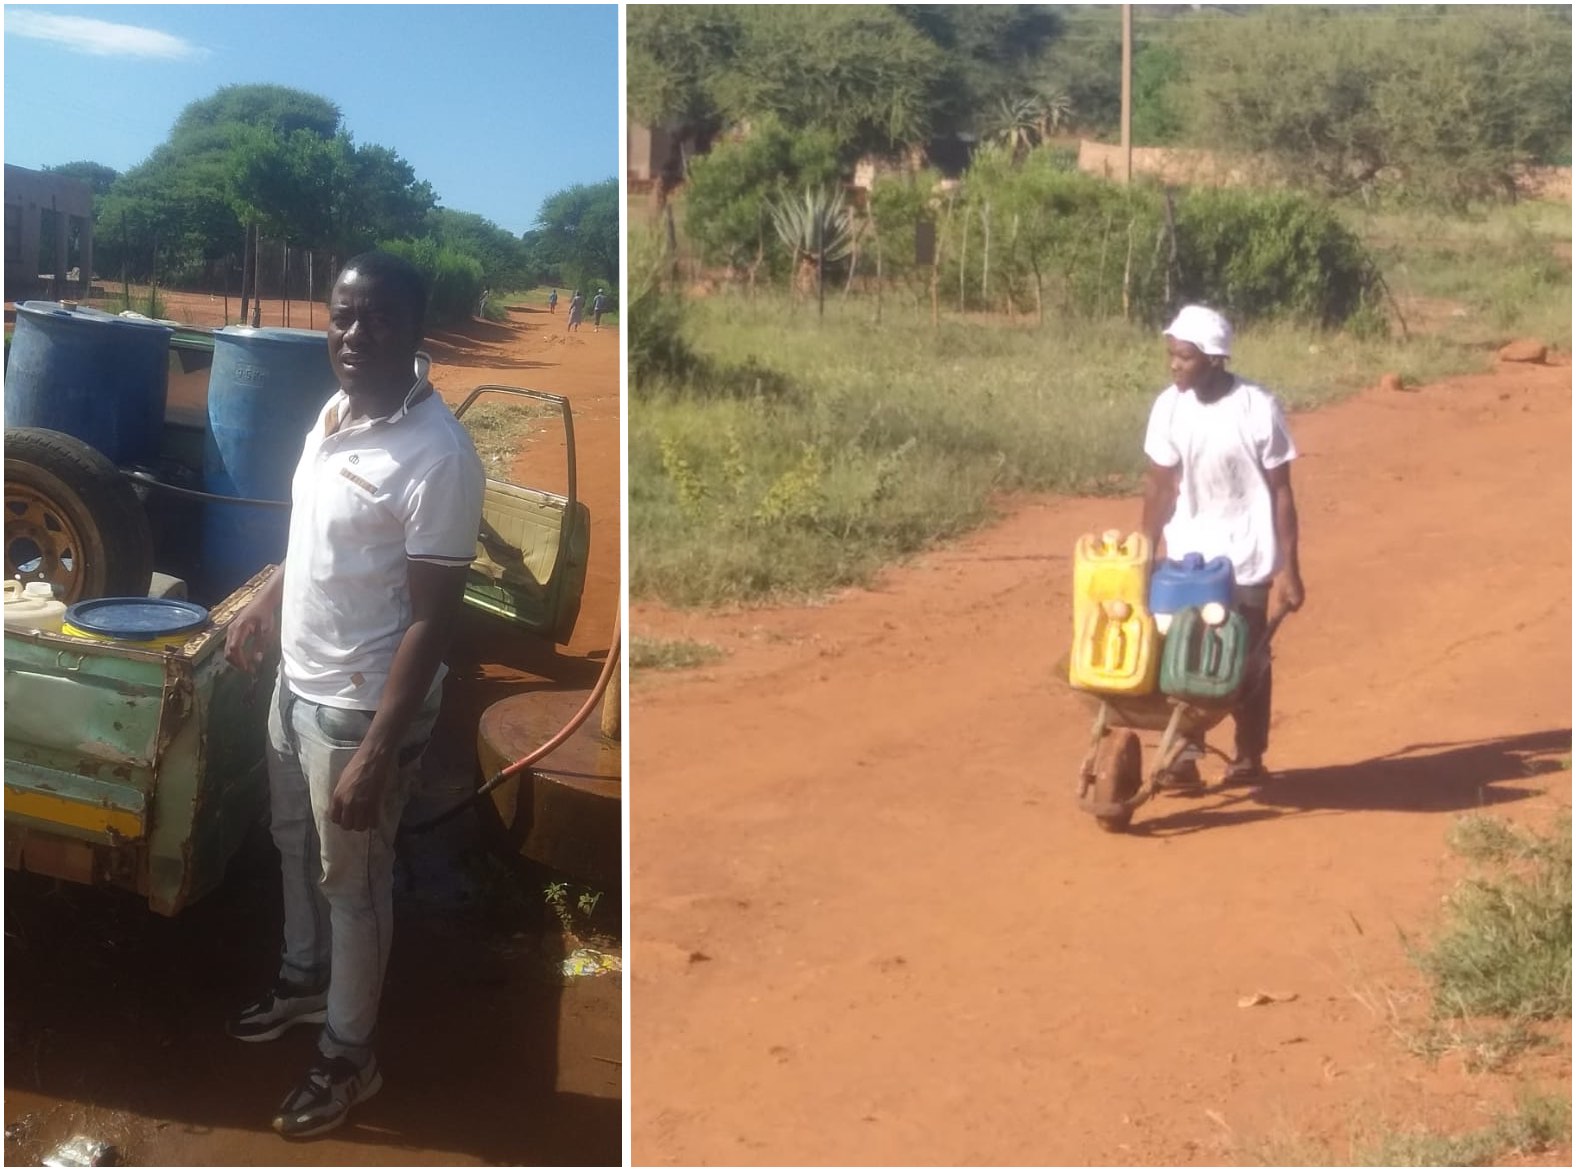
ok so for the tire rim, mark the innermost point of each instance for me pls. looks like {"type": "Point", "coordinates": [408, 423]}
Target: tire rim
{"type": "Point", "coordinates": [41, 543]}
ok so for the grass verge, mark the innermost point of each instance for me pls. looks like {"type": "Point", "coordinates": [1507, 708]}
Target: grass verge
{"type": "Point", "coordinates": [1501, 961]}
{"type": "Point", "coordinates": [814, 452]}
{"type": "Point", "coordinates": [664, 654]}
{"type": "Point", "coordinates": [1539, 1123]}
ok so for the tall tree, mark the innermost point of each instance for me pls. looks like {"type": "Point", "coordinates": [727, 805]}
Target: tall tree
{"type": "Point", "coordinates": [97, 176]}
{"type": "Point", "coordinates": [578, 229]}
{"type": "Point", "coordinates": [271, 107]}
{"type": "Point", "coordinates": [988, 54]}
{"type": "Point", "coordinates": [1441, 105]}
{"type": "Point", "coordinates": [505, 264]}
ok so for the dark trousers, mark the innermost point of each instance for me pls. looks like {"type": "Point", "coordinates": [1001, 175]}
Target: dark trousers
{"type": "Point", "coordinates": [1252, 713]}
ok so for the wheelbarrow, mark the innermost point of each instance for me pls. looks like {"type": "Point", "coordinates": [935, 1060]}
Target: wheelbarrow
{"type": "Point", "coordinates": [1111, 780]}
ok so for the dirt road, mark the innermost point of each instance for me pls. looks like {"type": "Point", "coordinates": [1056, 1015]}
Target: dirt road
{"type": "Point", "coordinates": [113, 1016]}
{"type": "Point", "coordinates": [871, 926]}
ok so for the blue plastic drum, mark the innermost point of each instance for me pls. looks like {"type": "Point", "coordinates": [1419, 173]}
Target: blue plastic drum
{"type": "Point", "coordinates": [95, 376]}
{"type": "Point", "coordinates": [266, 389]}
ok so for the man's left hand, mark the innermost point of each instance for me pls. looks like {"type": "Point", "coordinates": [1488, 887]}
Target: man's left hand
{"type": "Point", "coordinates": [1289, 592]}
{"type": "Point", "coordinates": [358, 796]}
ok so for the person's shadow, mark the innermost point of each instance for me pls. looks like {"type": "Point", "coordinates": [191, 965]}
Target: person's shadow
{"type": "Point", "coordinates": [1417, 778]}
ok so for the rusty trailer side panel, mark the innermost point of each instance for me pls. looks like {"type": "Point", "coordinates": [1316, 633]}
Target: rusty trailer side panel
{"type": "Point", "coordinates": [135, 767]}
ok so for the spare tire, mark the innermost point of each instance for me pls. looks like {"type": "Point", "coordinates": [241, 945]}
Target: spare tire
{"type": "Point", "coordinates": [72, 519]}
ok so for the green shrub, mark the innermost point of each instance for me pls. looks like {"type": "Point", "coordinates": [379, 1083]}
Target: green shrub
{"type": "Point", "coordinates": [657, 349]}
{"type": "Point", "coordinates": [454, 279]}
{"type": "Point", "coordinates": [1256, 254]}
{"type": "Point", "coordinates": [1070, 244]}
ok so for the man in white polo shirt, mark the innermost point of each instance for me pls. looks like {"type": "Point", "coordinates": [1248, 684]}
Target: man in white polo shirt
{"type": "Point", "coordinates": [386, 507]}
{"type": "Point", "coordinates": [1219, 484]}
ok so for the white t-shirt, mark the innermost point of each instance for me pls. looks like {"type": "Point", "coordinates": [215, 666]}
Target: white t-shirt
{"type": "Point", "coordinates": [367, 497]}
{"type": "Point", "coordinates": [1224, 505]}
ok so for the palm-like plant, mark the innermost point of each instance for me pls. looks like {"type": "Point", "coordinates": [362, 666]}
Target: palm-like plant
{"type": "Point", "coordinates": [814, 226]}
{"type": "Point", "coordinates": [1014, 123]}
{"type": "Point", "coordinates": [1055, 109]}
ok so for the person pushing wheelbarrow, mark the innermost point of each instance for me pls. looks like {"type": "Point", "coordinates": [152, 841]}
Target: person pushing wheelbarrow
{"type": "Point", "coordinates": [1219, 485]}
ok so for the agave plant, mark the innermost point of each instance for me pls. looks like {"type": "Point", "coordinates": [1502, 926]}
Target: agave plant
{"type": "Point", "coordinates": [1014, 124]}
{"type": "Point", "coordinates": [816, 224]}
{"type": "Point", "coordinates": [1055, 110]}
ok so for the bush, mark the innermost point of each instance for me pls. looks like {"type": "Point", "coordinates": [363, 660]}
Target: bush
{"type": "Point", "coordinates": [1069, 244]}
{"type": "Point", "coordinates": [657, 349]}
{"type": "Point", "coordinates": [454, 279]}
{"type": "Point", "coordinates": [1269, 254]}
{"type": "Point", "coordinates": [729, 190]}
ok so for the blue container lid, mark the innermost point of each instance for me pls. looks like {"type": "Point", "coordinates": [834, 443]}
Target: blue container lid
{"type": "Point", "coordinates": [245, 333]}
{"type": "Point", "coordinates": [45, 310]}
{"type": "Point", "coordinates": [136, 618]}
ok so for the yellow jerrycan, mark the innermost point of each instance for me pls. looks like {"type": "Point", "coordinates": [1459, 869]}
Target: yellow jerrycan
{"type": "Point", "coordinates": [1108, 567]}
{"type": "Point", "coordinates": [1117, 650]}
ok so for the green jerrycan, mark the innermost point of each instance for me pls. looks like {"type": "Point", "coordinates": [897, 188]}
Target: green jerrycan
{"type": "Point", "coordinates": [1205, 661]}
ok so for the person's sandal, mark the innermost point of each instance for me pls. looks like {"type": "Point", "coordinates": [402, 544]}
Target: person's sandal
{"type": "Point", "coordinates": [1181, 777]}
{"type": "Point", "coordinates": [1245, 771]}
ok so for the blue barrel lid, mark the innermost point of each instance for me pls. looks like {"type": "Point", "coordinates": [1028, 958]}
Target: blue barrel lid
{"type": "Point", "coordinates": [136, 618]}
{"type": "Point", "coordinates": [245, 333]}
{"type": "Point", "coordinates": [47, 310]}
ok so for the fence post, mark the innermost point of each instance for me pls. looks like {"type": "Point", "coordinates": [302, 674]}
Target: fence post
{"type": "Point", "coordinates": [963, 259]}
{"type": "Point", "coordinates": [985, 271]}
{"type": "Point", "coordinates": [257, 279]}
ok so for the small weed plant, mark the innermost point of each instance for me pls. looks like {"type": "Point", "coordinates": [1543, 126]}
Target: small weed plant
{"type": "Point", "coordinates": [662, 654]}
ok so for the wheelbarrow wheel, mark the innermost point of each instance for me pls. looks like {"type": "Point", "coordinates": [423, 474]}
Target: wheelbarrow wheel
{"type": "Point", "coordinates": [1118, 773]}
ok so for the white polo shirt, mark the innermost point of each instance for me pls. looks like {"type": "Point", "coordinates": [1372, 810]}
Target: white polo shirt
{"type": "Point", "coordinates": [1224, 505]}
{"type": "Point", "coordinates": [367, 497]}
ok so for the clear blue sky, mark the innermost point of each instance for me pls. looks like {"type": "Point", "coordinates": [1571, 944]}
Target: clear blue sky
{"type": "Point", "coordinates": [497, 106]}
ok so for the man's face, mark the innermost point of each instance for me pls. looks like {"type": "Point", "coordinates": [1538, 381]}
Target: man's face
{"type": "Point", "coordinates": [1190, 367]}
{"type": "Point", "coordinates": [372, 340]}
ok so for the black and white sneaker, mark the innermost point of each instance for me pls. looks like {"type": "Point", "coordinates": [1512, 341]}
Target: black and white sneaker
{"type": "Point", "coordinates": [331, 1087]}
{"type": "Point", "coordinates": [275, 1011]}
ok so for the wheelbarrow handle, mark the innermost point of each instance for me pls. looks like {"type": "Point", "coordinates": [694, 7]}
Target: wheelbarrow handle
{"type": "Point", "coordinates": [1260, 655]}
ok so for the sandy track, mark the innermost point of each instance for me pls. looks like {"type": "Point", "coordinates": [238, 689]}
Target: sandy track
{"type": "Point", "coordinates": [871, 926]}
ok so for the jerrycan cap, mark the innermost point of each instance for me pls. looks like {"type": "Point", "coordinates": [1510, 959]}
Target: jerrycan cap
{"type": "Point", "coordinates": [1118, 609]}
{"type": "Point", "coordinates": [1111, 538]}
{"type": "Point", "coordinates": [1192, 561]}
{"type": "Point", "coordinates": [1213, 613]}
{"type": "Point", "coordinates": [39, 589]}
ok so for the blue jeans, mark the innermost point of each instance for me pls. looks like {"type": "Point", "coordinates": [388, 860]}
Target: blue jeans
{"type": "Point", "coordinates": [338, 884]}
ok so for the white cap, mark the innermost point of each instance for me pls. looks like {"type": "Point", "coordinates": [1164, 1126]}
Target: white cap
{"type": "Point", "coordinates": [38, 589]}
{"type": "Point", "coordinates": [1204, 328]}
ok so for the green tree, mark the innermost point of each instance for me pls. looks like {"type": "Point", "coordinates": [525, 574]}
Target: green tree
{"type": "Point", "coordinates": [271, 107]}
{"type": "Point", "coordinates": [97, 176]}
{"type": "Point", "coordinates": [503, 257]}
{"type": "Point", "coordinates": [579, 232]}
{"type": "Point", "coordinates": [727, 207]}
{"type": "Point", "coordinates": [1157, 71]}
{"type": "Point", "coordinates": [674, 55]}
{"type": "Point", "coordinates": [1441, 105]}
{"type": "Point", "coordinates": [988, 54]}
{"type": "Point", "coordinates": [1085, 63]}
{"type": "Point", "coordinates": [862, 72]}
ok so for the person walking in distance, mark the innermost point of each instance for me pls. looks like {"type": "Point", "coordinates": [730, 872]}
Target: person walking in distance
{"type": "Point", "coordinates": [1219, 484]}
{"type": "Point", "coordinates": [577, 305]}
{"type": "Point", "coordinates": [598, 307]}
{"type": "Point", "coordinates": [552, 301]}
{"type": "Point", "coordinates": [386, 508]}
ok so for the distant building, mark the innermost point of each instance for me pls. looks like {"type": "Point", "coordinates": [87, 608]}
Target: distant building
{"type": "Point", "coordinates": [48, 235]}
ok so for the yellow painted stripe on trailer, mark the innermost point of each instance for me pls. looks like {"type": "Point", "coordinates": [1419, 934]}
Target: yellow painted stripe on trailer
{"type": "Point", "coordinates": [50, 807]}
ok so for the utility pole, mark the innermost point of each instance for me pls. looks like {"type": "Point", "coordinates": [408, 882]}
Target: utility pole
{"type": "Point", "coordinates": [1127, 93]}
